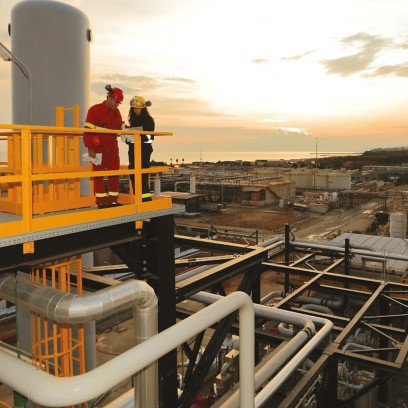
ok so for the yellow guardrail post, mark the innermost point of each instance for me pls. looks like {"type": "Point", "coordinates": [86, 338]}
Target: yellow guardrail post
{"type": "Point", "coordinates": [138, 176]}
{"type": "Point", "coordinates": [27, 188]}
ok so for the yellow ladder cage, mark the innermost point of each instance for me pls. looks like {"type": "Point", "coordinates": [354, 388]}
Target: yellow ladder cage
{"type": "Point", "coordinates": [58, 348]}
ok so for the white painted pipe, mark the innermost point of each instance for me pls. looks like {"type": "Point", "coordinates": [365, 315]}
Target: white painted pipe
{"type": "Point", "coordinates": [273, 295]}
{"type": "Point", "coordinates": [284, 355]}
{"type": "Point", "coordinates": [272, 386]}
{"type": "Point", "coordinates": [45, 389]}
{"type": "Point", "coordinates": [285, 330]}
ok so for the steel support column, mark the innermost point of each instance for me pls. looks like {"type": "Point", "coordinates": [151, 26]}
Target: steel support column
{"type": "Point", "coordinates": [159, 250]}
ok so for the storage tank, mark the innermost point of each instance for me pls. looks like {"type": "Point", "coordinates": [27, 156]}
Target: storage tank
{"type": "Point", "coordinates": [51, 40]}
{"type": "Point", "coordinates": [398, 225]}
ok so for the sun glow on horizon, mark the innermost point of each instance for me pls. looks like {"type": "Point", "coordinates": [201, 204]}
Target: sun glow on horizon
{"type": "Point", "coordinates": [251, 74]}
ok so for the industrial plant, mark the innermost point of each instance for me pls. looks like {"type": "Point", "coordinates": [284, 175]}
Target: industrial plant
{"type": "Point", "coordinates": [133, 306]}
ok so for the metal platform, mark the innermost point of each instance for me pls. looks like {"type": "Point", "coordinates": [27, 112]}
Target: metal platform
{"type": "Point", "coordinates": [110, 220]}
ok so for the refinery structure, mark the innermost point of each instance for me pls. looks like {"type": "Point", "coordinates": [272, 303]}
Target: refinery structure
{"type": "Point", "coordinates": [206, 321]}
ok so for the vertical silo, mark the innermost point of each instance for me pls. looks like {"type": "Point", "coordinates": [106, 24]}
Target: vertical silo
{"type": "Point", "coordinates": [52, 40]}
{"type": "Point", "coordinates": [398, 224]}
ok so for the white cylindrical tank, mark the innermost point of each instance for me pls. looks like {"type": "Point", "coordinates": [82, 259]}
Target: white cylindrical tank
{"type": "Point", "coordinates": [192, 183]}
{"type": "Point", "coordinates": [398, 225]}
{"type": "Point", "coordinates": [51, 40]}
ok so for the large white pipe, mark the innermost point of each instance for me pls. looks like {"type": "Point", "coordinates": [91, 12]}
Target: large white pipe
{"type": "Point", "coordinates": [305, 340]}
{"type": "Point", "coordinates": [45, 389]}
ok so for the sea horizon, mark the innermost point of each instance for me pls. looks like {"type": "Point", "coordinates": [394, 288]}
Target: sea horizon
{"type": "Point", "coordinates": [209, 156]}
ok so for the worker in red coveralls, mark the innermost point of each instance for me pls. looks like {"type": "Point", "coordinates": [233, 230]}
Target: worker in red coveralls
{"type": "Point", "coordinates": [105, 115]}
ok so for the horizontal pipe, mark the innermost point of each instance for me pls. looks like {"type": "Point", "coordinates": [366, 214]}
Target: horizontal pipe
{"type": "Point", "coordinates": [353, 250]}
{"type": "Point", "coordinates": [70, 308]}
{"type": "Point", "coordinates": [332, 302]}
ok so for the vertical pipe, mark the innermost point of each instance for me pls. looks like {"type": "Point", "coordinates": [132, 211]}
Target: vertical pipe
{"type": "Point", "coordinates": [347, 256]}
{"type": "Point", "coordinates": [157, 185]}
{"type": "Point", "coordinates": [247, 360]}
{"type": "Point", "coordinates": [287, 249]}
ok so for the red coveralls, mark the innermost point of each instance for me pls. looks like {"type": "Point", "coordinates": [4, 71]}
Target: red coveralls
{"type": "Point", "coordinates": [100, 115]}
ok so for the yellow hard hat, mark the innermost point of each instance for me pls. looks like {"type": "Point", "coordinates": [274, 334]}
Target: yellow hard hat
{"type": "Point", "coordinates": [139, 102]}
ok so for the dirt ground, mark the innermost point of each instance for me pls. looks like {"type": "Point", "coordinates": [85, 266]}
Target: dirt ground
{"type": "Point", "coordinates": [236, 217]}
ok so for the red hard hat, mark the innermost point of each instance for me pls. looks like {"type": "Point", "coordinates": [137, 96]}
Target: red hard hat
{"type": "Point", "coordinates": [116, 94]}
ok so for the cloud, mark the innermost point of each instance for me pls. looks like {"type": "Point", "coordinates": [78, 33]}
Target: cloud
{"type": "Point", "coordinates": [181, 80]}
{"type": "Point", "coordinates": [368, 47]}
{"type": "Point", "coordinates": [297, 57]}
{"type": "Point", "coordinates": [390, 70]}
{"type": "Point", "coordinates": [260, 60]}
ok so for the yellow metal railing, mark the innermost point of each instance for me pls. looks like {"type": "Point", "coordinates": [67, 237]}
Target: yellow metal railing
{"type": "Point", "coordinates": [42, 180]}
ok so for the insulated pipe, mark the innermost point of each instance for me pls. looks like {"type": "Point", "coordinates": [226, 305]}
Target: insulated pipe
{"type": "Point", "coordinates": [145, 326]}
{"type": "Point", "coordinates": [70, 308]}
{"type": "Point", "coordinates": [45, 389]}
{"type": "Point", "coordinates": [263, 374]}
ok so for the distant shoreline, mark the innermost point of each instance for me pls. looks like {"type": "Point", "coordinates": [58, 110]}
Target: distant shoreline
{"type": "Point", "coordinates": [214, 157]}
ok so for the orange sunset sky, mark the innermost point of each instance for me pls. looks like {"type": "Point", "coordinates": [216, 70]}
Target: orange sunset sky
{"type": "Point", "coordinates": [232, 75]}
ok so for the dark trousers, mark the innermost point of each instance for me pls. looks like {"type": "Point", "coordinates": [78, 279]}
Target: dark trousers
{"type": "Point", "coordinates": [147, 150]}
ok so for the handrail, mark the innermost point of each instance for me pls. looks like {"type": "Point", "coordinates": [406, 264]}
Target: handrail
{"type": "Point", "coordinates": [45, 389]}
{"type": "Point", "coordinates": [43, 174]}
